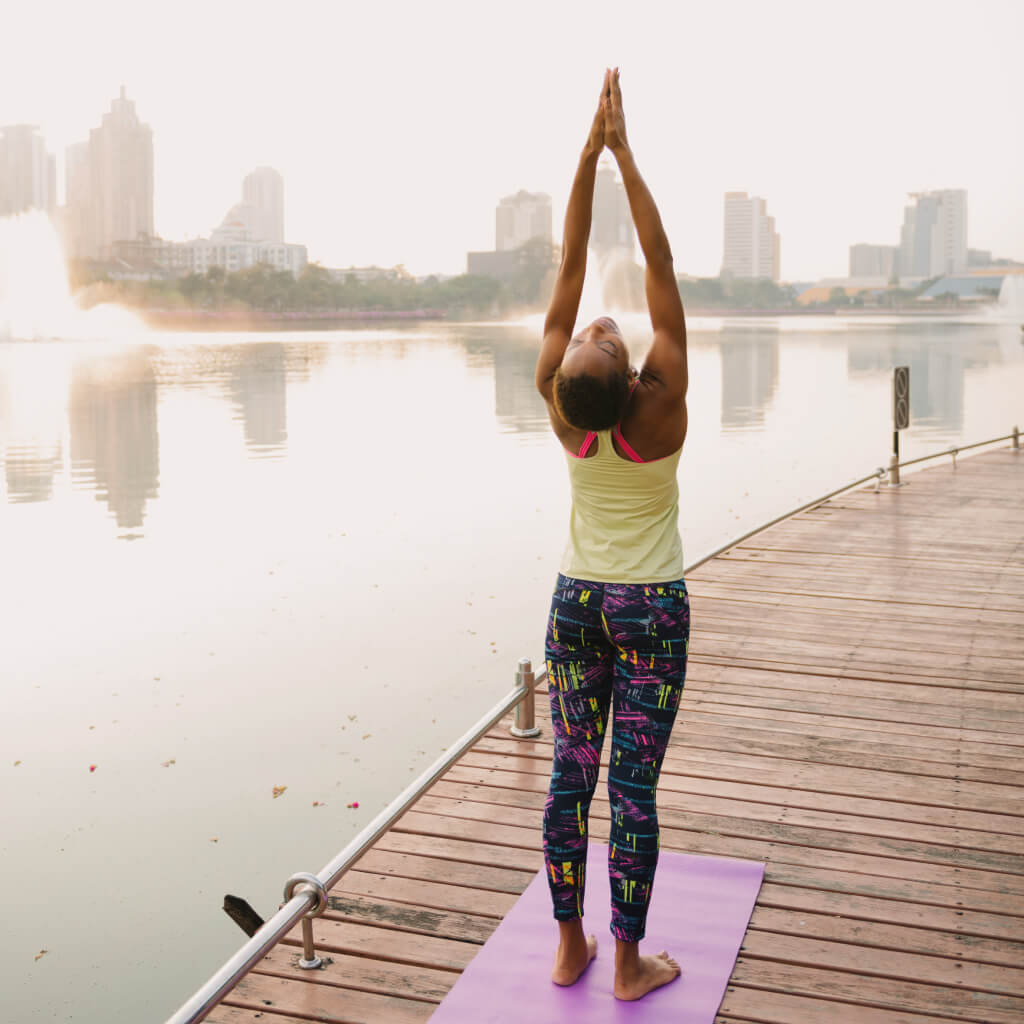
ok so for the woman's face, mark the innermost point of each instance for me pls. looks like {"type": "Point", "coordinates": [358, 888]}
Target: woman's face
{"type": "Point", "coordinates": [598, 349]}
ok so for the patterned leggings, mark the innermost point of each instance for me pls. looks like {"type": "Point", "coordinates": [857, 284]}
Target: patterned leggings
{"type": "Point", "coordinates": [605, 640]}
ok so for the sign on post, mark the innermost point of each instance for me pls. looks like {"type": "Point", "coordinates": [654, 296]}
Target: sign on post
{"type": "Point", "coordinates": [900, 397]}
{"type": "Point", "coordinates": [900, 417]}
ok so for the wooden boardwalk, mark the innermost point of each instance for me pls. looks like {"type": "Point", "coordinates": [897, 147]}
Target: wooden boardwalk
{"type": "Point", "coordinates": [853, 716]}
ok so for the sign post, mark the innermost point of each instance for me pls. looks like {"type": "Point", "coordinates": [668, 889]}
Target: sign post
{"type": "Point", "coordinates": [900, 418]}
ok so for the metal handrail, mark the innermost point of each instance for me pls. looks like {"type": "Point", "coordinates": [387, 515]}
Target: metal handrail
{"type": "Point", "coordinates": [302, 903]}
{"type": "Point", "coordinates": [309, 899]}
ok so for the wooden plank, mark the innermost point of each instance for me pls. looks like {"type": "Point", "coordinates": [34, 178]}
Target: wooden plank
{"type": "Point", "coordinates": [899, 937]}
{"type": "Point", "coordinates": [758, 1006]}
{"type": "Point", "coordinates": [478, 876]}
{"type": "Point", "coordinates": [384, 913]}
{"type": "Point", "coordinates": [325, 1002]}
{"type": "Point", "coordinates": [981, 869]}
{"type": "Point", "coordinates": [1004, 929]}
{"type": "Point", "coordinates": [435, 895]}
{"type": "Point", "coordinates": [705, 682]}
{"type": "Point", "coordinates": [821, 778]}
{"type": "Point", "coordinates": [676, 789]}
{"type": "Point", "coordinates": [225, 1014]}
{"type": "Point", "coordinates": [763, 843]}
{"type": "Point", "coordinates": [683, 804]}
{"type": "Point", "coordinates": [691, 745]}
{"type": "Point", "coordinates": [883, 963]}
{"type": "Point", "coordinates": [1001, 741]}
{"type": "Point", "coordinates": [361, 973]}
{"type": "Point", "coordinates": [859, 989]}
{"type": "Point", "coordinates": [931, 748]}
{"type": "Point", "coordinates": [388, 945]}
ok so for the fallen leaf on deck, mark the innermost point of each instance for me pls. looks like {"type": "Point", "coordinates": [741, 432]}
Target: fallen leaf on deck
{"type": "Point", "coordinates": [92, 767]}
{"type": "Point", "coordinates": [366, 736]}
{"type": "Point", "coordinates": [351, 718]}
{"type": "Point", "coordinates": [167, 764]}
{"type": "Point", "coordinates": [16, 763]}
{"type": "Point", "coordinates": [214, 839]}
{"type": "Point", "coordinates": [355, 803]}
{"type": "Point", "coordinates": [278, 790]}
{"type": "Point", "coordinates": [42, 952]}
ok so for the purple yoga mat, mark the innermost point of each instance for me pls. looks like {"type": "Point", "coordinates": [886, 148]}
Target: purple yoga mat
{"type": "Point", "coordinates": [699, 913]}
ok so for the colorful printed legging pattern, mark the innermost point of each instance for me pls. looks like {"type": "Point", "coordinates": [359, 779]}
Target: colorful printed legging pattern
{"type": "Point", "coordinates": [623, 645]}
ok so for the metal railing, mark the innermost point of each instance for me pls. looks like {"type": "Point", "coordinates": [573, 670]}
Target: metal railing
{"type": "Point", "coordinates": [305, 895]}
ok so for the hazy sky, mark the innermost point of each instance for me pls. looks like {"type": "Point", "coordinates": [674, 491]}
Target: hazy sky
{"type": "Point", "coordinates": [398, 126]}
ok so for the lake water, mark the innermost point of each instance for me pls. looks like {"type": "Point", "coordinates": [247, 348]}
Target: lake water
{"type": "Point", "coordinates": [238, 562]}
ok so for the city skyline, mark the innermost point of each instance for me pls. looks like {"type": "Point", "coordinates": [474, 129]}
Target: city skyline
{"type": "Point", "coordinates": [100, 220]}
{"type": "Point", "coordinates": [395, 134]}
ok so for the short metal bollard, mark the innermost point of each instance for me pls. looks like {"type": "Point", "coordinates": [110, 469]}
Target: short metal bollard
{"type": "Point", "coordinates": [894, 470]}
{"type": "Point", "coordinates": [309, 961]}
{"type": "Point", "coordinates": [525, 726]}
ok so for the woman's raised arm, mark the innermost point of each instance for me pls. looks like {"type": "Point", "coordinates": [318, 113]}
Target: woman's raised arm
{"type": "Point", "coordinates": [666, 362]}
{"type": "Point", "coordinates": [565, 299]}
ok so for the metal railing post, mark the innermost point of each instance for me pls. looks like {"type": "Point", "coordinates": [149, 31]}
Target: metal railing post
{"type": "Point", "coordinates": [1016, 438]}
{"type": "Point", "coordinates": [525, 726]}
{"type": "Point", "coordinates": [310, 961]}
{"type": "Point", "coordinates": [894, 470]}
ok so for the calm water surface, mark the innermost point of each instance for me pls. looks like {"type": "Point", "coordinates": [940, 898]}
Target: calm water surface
{"type": "Point", "coordinates": [233, 562]}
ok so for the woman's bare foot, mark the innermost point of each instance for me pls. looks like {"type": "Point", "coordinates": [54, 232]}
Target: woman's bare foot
{"type": "Point", "coordinates": [575, 951]}
{"type": "Point", "coordinates": [638, 975]}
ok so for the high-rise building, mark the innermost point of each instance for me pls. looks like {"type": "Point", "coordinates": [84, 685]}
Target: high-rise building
{"type": "Point", "coordinates": [77, 222]}
{"type": "Point", "coordinates": [110, 193]}
{"type": "Point", "coordinates": [28, 174]}
{"type": "Point", "coordinates": [521, 217]}
{"type": "Point", "coordinates": [611, 224]}
{"type": "Point", "coordinates": [933, 239]}
{"type": "Point", "coordinates": [752, 245]}
{"type": "Point", "coordinates": [873, 260]}
{"type": "Point", "coordinates": [263, 190]}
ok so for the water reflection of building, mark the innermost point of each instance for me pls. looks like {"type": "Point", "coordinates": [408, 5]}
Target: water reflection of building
{"type": "Point", "coordinates": [517, 404]}
{"type": "Point", "coordinates": [257, 386]}
{"type": "Point", "coordinates": [750, 375]}
{"type": "Point", "coordinates": [114, 436]}
{"type": "Point", "coordinates": [936, 378]}
{"type": "Point", "coordinates": [29, 471]}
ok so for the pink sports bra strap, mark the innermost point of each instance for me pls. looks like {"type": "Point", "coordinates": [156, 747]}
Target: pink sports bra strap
{"type": "Point", "coordinates": [587, 442]}
{"type": "Point", "coordinates": [625, 445]}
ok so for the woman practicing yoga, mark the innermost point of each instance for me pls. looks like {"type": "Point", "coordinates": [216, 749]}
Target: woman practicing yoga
{"type": "Point", "coordinates": [619, 626]}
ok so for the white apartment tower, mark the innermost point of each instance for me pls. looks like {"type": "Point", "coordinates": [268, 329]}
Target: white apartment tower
{"type": "Point", "coordinates": [933, 240]}
{"type": "Point", "coordinates": [752, 245]}
{"type": "Point", "coordinates": [263, 190]}
{"type": "Point", "coordinates": [521, 217]}
{"type": "Point", "coordinates": [28, 174]}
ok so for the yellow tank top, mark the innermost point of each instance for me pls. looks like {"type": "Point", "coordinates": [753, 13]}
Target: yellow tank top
{"type": "Point", "coordinates": [624, 524]}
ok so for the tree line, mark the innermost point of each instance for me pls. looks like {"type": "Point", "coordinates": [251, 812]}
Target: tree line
{"type": "Point", "coordinates": [527, 288]}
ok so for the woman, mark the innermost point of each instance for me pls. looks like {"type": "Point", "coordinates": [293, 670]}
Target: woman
{"type": "Point", "coordinates": [619, 624]}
